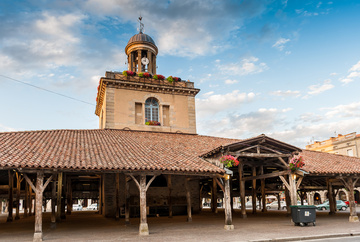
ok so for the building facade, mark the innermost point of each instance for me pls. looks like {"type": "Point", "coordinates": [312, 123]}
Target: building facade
{"type": "Point", "coordinates": [348, 144]}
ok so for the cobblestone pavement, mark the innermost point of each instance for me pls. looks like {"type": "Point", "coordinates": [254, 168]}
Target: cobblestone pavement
{"type": "Point", "coordinates": [89, 226]}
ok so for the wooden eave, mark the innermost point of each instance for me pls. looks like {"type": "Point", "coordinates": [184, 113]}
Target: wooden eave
{"type": "Point", "coordinates": [100, 97]}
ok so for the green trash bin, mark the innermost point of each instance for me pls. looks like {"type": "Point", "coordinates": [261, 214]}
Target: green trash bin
{"type": "Point", "coordinates": [303, 215]}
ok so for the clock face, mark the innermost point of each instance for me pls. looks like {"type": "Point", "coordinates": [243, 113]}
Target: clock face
{"type": "Point", "coordinates": [145, 61]}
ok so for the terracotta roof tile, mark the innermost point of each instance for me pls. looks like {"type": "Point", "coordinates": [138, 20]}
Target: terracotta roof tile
{"type": "Point", "coordinates": [325, 163]}
{"type": "Point", "coordinates": [108, 149]}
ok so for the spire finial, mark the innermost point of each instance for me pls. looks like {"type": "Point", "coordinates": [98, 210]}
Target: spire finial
{"type": "Point", "coordinates": [141, 29]}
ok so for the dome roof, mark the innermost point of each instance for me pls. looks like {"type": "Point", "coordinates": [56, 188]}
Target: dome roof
{"type": "Point", "coordinates": [140, 37]}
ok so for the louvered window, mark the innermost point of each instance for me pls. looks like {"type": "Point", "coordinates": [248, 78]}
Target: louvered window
{"type": "Point", "coordinates": [151, 110]}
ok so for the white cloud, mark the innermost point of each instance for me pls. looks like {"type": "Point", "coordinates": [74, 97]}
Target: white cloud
{"type": "Point", "coordinates": [319, 88]}
{"type": "Point", "coordinates": [244, 67]}
{"type": "Point", "coordinates": [4, 128]}
{"type": "Point", "coordinates": [231, 81]}
{"type": "Point", "coordinates": [354, 74]}
{"type": "Point", "coordinates": [215, 103]}
{"type": "Point", "coordinates": [344, 110]}
{"type": "Point", "coordinates": [287, 93]}
{"type": "Point", "coordinates": [280, 43]}
{"type": "Point", "coordinates": [333, 74]}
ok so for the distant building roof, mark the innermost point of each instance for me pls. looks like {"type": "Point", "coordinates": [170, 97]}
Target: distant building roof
{"type": "Point", "coordinates": [317, 162]}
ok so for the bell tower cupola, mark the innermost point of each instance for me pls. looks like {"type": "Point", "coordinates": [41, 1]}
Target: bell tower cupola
{"type": "Point", "coordinates": [141, 52]}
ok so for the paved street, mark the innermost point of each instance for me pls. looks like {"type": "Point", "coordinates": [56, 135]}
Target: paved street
{"type": "Point", "coordinates": [88, 226]}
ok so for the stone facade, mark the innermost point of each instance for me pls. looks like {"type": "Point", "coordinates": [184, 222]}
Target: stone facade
{"type": "Point", "coordinates": [123, 100]}
{"type": "Point", "coordinates": [348, 144]}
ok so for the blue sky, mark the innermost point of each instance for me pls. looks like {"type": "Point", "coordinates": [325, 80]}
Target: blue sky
{"type": "Point", "coordinates": [288, 69]}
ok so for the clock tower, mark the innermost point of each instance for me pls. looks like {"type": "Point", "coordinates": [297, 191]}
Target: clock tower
{"type": "Point", "coordinates": [141, 52]}
{"type": "Point", "coordinates": [138, 99]}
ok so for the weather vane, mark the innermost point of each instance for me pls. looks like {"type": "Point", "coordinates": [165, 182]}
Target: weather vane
{"type": "Point", "coordinates": [141, 29]}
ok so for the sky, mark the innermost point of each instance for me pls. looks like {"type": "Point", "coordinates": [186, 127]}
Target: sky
{"type": "Point", "coordinates": [287, 69]}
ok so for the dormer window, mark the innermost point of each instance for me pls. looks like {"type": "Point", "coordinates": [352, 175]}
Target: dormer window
{"type": "Point", "coordinates": [151, 110]}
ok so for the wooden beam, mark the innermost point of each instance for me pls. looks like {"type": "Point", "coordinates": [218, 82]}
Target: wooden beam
{"type": "Point", "coordinates": [256, 155]}
{"type": "Point", "coordinates": [268, 175]}
{"type": "Point", "coordinates": [220, 185]}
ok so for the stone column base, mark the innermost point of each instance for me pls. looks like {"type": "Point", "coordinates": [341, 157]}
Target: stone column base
{"type": "Point", "coordinates": [243, 215]}
{"type": "Point", "coordinates": [229, 227]}
{"type": "Point", "coordinates": [143, 229]}
{"type": "Point", "coordinates": [127, 222]}
{"type": "Point", "coordinates": [37, 236]}
{"type": "Point", "coordinates": [189, 219]}
{"type": "Point", "coordinates": [354, 219]}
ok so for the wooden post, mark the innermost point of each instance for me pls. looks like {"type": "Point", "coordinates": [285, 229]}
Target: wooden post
{"type": "Point", "coordinates": [231, 196]}
{"type": "Point", "coordinates": [127, 200]}
{"type": "Point", "coordinates": [143, 187]}
{"type": "Point", "coordinates": [38, 206]}
{"type": "Point", "coordinates": [228, 214]}
{"type": "Point", "coordinates": [332, 202]}
{"type": "Point", "coordinates": [279, 201]}
{"type": "Point", "coordinates": [214, 197]}
{"type": "Point", "coordinates": [169, 198]}
{"type": "Point", "coordinates": [53, 200]}
{"type": "Point", "coordinates": [26, 201]}
{"type": "Point", "coordinates": [100, 193]}
{"type": "Point", "coordinates": [39, 189]}
{"type": "Point", "coordinates": [63, 198]}
{"type": "Point", "coordinates": [188, 200]}
{"type": "Point", "coordinates": [30, 201]}
{"type": "Point", "coordinates": [242, 190]}
{"type": "Point", "coordinates": [263, 195]}
{"type": "Point", "coordinates": [288, 201]}
{"type": "Point", "coordinates": [10, 202]}
{"type": "Point", "coordinates": [350, 184]}
{"type": "Point", "coordinates": [68, 197]}
{"type": "Point", "coordinates": [293, 193]}
{"type": "Point", "coordinates": [254, 191]}
{"type": "Point", "coordinates": [117, 214]}
{"type": "Point", "coordinates": [18, 182]}
{"type": "Point", "coordinates": [144, 229]}
{"type": "Point", "coordinates": [59, 194]}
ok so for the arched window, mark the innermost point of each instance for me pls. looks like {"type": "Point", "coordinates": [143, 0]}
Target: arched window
{"type": "Point", "coordinates": [151, 110]}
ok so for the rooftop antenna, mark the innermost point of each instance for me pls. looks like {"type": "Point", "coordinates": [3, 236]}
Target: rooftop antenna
{"type": "Point", "coordinates": [141, 28]}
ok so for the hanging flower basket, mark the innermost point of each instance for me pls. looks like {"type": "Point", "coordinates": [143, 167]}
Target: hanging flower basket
{"type": "Point", "coordinates": [229, 161]}
{"type": "Point", "coordinates": [296, 163]}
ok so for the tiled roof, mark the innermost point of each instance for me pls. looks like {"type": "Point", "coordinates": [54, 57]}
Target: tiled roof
{"type": "Point", "coordinates": [108, 150]}
{"type": "Point", "coordinates": [324, 163]}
